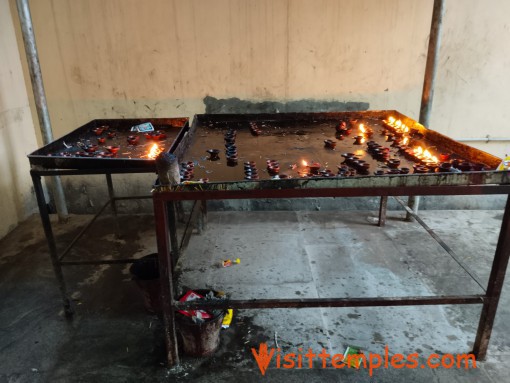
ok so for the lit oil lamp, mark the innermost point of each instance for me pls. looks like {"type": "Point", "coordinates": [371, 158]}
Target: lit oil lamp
{"type": "Point", "coordinates": [402, 147]}
{"type": "Point", "coordinates": [426, 157]}
{"type": "Point", "coordinates": [390, 122]}
{"type": "Point", "coordinates": [154, 151]}
{"type": "Point", "coordinates": [309, 169]}
{"type": "Point", "coordinates": [366, 132]}
{"type": "Point", "coordinates": [305, 165]}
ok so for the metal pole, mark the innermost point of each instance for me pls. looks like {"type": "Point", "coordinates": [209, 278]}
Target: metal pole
{"type": "Point", "coordinates": [429, 81]}
{"type": "Point", "coordinates": [40, 97]}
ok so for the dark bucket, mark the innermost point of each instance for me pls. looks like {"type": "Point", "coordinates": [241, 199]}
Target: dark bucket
{"type": "Point", "coordinates": [145, 272]}
{"type": "Point", "coordinates": [200, 339]}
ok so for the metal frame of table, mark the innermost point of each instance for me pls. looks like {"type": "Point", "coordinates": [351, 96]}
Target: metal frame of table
{"type": "Point", "coordinates": [57, 258]}
{"type": "Point", "coordinates": [472, 183]}
{"type": "Point", "coordinates": [43, 165]}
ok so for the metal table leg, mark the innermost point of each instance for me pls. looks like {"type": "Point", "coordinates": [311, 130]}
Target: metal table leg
{"type": "Point", "coordinates": [166, 262]}
{"type": "Point", "coordinates": [171, 217]}
{"type": "Point", "coordinates": [413, 202]}
{"type": "Point", "coordinates": [202, 218]}
{"type": "Point", "coordinates": [111, 194]}
{"type": "Point", "coordinates": [382, 210]}
{"type": "Point", "coordinates": [45, 218]}
{"type": "Point", "coordinates": [494, 287]}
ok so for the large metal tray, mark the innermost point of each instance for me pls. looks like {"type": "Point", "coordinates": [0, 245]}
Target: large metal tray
{"type": "Point", "coordinates": [129, 156]}
{"type": "Point", "coordinates": [291, 138]}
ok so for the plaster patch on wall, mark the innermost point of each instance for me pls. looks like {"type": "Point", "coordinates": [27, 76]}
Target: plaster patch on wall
{"type": "Point", "coordinates": [236, 105]}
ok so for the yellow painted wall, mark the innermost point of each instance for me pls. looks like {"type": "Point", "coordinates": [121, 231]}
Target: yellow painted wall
{"type": "Point", "coordinates": [120, 58]}
{"type": "Point", "coordinates": [17, 137]}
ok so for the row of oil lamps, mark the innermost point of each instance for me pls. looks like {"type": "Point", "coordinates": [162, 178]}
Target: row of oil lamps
{"type": "Point", "coordinates": [396, 132]}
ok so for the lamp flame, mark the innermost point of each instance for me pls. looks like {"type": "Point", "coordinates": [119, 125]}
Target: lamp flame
{"type": "Point", "coordinates": [362, 128]}
{"type": "Point", "coordinates": [304, 163]}
{"type": "Point", "coordinates": [154, 151]}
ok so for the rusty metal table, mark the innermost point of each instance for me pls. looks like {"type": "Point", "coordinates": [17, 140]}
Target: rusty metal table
{"type": "Point", "coordinates": [460, 183]}
{"type": "Point", "coordinates": [64, 157]}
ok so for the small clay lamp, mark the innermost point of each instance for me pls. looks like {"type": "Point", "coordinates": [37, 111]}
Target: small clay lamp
{"type": "Point", "coordinates": [214, 154]}
{"type": "Point", "coordinates": [329, 144]}
{"type": "Point", "coordinates": [358, 140]}
{"type": "Point", "coordinates": [90, 148]}
{"type": "Point", "coordinates": [112, 149]}
{"type": "Point", "coordinates": [132, 140]}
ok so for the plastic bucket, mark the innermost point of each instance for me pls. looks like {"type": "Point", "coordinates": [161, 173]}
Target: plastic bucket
{"type": "Point", "coordinates": [200, 339]}
{"type": "Point", "coordinates": [145, 272]}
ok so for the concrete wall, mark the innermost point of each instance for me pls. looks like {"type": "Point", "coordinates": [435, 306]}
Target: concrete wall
{"type": "Point", "coordinates": [17, 137]}
{"type": "Point", "coordinates": [157, 58]}
{"type": "Point", "coordinates": [472, 97]}
{"type": "Point", "coordinates": [119, 58]}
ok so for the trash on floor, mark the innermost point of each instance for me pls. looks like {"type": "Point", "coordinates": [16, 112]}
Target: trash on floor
{"type": "Point", "coordinates": [227, 319]}
{"type": "Point", "coordinates": [229, 262]}
{"type": "Point", "coordinates": [352, 356]}
{"type": "Point", "coordinates": [195, 315]}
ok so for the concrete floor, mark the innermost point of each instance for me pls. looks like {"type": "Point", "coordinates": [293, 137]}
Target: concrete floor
{"type": "Point", "coordinates": [283, 254]}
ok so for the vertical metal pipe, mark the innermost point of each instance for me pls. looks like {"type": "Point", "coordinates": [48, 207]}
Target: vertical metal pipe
{"type": "Point", "coordinates": [40, 97]}
{"type": "Point", "coordinates": [430, 78]}
{"type": "Point", "coordinates": [432, 62]}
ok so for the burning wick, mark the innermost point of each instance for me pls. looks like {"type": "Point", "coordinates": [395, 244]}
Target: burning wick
{"type": "Point", "coordinates": [424, 154]}
{"type": "Point", "coordinates": [362, 129]}
{"type": "Point", "coordinates": [154, 151]}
